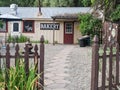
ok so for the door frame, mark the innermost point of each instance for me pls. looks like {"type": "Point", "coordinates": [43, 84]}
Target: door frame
{"type": "Point", "coordinates": [72, 31]}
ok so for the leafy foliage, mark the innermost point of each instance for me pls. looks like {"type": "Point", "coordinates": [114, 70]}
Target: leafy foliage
{"type": "Point", "coordinates": [47, 3]}
{"type": "Point", "coordinates": [17, 39]}
{"type": "Point", "coordinates": [115, 15]}
{"type": "Point", "coordinates": [18, 79]}
{"type": "Point", "coordinates": [109, 8]}
{"type": "Point", "coordinates": [88, 24]}
{"type": "Point", "coordinates": [86, 3]}
{"type": "Point", "coordinates": [1, 24]}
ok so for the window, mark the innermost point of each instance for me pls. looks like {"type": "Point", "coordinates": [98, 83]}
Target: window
{"type": "Point", "coordinates": [68, 28]}
{"type": "Point", "coordinates": [3, 27]}
{"type": "Point", "coordinates": [15, 27]}
{"type": "Point", "coordinates": [28, 26]}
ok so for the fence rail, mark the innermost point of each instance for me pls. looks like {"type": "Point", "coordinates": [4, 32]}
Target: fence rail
{"type": "Point", "coordinates": [38, 59]}
{"type": "Point", "coordinates": [105, 66]}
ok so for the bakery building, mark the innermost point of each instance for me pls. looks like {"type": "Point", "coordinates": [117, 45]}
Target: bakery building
{"type": "Point", "coordinates": [57, 24]}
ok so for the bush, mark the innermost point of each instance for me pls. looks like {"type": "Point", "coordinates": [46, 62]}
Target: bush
{"type": "Point", "coordinates": [88, 24]}
{"type": "Point", "coordinates": [17, 39]}
{"type": "Point", "coordinates": [46, 42]}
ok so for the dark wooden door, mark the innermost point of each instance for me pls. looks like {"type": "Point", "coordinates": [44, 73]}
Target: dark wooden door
{"type": "Point", "coordinates": [68, 32]}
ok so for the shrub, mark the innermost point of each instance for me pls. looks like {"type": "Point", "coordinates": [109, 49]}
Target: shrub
{"type": "Point", "coordinates": [46, 42]}
{"type": "Point", "coordinates": [88, 24]}
{"type": "Point", "coordinates": [17, 39]}
{"type": "Point", "coordinates": [22, 38]}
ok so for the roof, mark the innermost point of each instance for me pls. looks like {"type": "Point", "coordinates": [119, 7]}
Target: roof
{"type": "Point", "coordinates": [66, 16]}
{"type": "Point", "coordinates": [8, 16]}
{"type": "Point", "coordinates": [47, 12]}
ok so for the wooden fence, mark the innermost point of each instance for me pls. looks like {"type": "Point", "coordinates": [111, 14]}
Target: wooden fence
{"type": "Point", "coordinates": [105, 66]}
{"type": "Point", "coordinates": [38, 57]}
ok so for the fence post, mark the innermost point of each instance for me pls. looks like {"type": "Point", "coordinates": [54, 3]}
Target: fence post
{"type": "Point", "coordinates": [36, 58]}
{"type": "Point", "coordinates": [16, 54]}
{"type": "Point", "coordinates": [26, 60]}
{"type": "Point", "coordinates": [7, 65]}
{"type": "Point", "coordinates": [0, 61]}
{"type": "Point", "coordinates": [41, 62]}
{"type": "Point", "coordinates": [95, 64]}
{"type": "Point", "coordinates": [117, 64]}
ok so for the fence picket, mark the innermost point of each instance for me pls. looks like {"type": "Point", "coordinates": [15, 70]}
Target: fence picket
{"type": "Point", "coordinates": [41, 62]}
{"type": "Point", "coordinates": [95, 64]}
{"type": "Point", "coordinates": [7, 65]}
{"type": "Point", "coordinates": [117, 64]}
{"type": "Point", "coordinates": [110, 67]}
{"type": "Point", "coordinates": [16, 53]}
{"type": "Point", "coordinates": [26, 60]}
{"type": "Point", "coordinates": [0, 61]}
{"type": "Point", "coordinates": [36, 58]}
{"type": "Point", "coordinates": [104, 67]}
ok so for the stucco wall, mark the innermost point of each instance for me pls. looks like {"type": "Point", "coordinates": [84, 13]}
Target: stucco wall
{"type": "Point", "coordinates": [48, 34]}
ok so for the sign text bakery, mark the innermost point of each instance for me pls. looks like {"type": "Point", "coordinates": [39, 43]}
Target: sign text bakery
{"type": "Point", "coordinates": [49, 26]}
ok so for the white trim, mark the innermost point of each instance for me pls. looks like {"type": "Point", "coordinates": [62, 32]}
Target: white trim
{"type": "Point", "coordinates": [19, 30]}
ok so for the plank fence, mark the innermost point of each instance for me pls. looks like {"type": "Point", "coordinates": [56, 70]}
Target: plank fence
{"type": "Point", "coordinates": [38, 58]}
{"type": "Point", "coordinates": [105, 66]}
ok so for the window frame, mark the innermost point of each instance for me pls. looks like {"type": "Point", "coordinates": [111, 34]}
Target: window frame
{"type": "Point", "coordinates": [32, 26]}
{"type": "Point", "coordinates": [17, 27]}
{"type": "Point", "coordinates": [70, 27]}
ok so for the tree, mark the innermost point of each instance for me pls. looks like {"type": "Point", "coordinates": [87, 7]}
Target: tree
{"type": "Point", "coordinates": [4, 2]}
{"type": "Point", "coordinates": [71, 3]}
{"type": "Point", "coordinates": [107, 6]}
{"type": "Point", "coordinates": [54, 3]}
{"type": "Point", "coordinates": [86, 3]}
{"type": "Point", "coordinates": [63, 3]}
{"type": "Point", "coordinates": [46, 3]}
{"type": "Point", "coordinates": [25, 3]}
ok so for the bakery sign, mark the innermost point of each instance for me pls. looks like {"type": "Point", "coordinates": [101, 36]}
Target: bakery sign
{"type": "Point", "coordinates": [49, 26]}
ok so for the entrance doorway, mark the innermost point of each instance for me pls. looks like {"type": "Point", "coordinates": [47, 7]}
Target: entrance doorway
{"type": "Point", "coordinates": [68, 32]}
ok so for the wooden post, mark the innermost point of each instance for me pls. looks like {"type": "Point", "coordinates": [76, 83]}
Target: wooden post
{"type": "Point", "coordinates": [117, 64]}
{"type": "Point", "coordinates": [16, 54]}
{"type": "Point", "coordinates": [0, 61]}
{"type": "Point", "coordinates": [7, 65]}
{"type": "Point", "coordinates": [41, 62]}
{"type": "Point", "coordinates": [95, 64]}
{"type": "Point", "coordinates": [53, 31]}
{"type": "Point", "coordinates": [110, 67]}
{"type": "Point", "coordinates": [36, 58]}
{"type": "Point", "coordinates": [104, 67]}
{"type": "Point", "coordinates": [26, 60]}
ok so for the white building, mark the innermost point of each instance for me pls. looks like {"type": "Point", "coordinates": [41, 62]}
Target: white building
{"type": "Point", "coordinates": [59, 24]}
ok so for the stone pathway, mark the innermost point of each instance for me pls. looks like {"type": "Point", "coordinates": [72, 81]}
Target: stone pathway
{"type": "Point", "coordinates": [67, 67]}
{"type": "Point", "coordinates": [56, 72]}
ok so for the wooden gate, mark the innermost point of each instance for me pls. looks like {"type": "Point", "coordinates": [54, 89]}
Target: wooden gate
{"type": "Point", "coordinates": [105, 66]}
{"type": "Point", "coordinates": [106, 59]}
